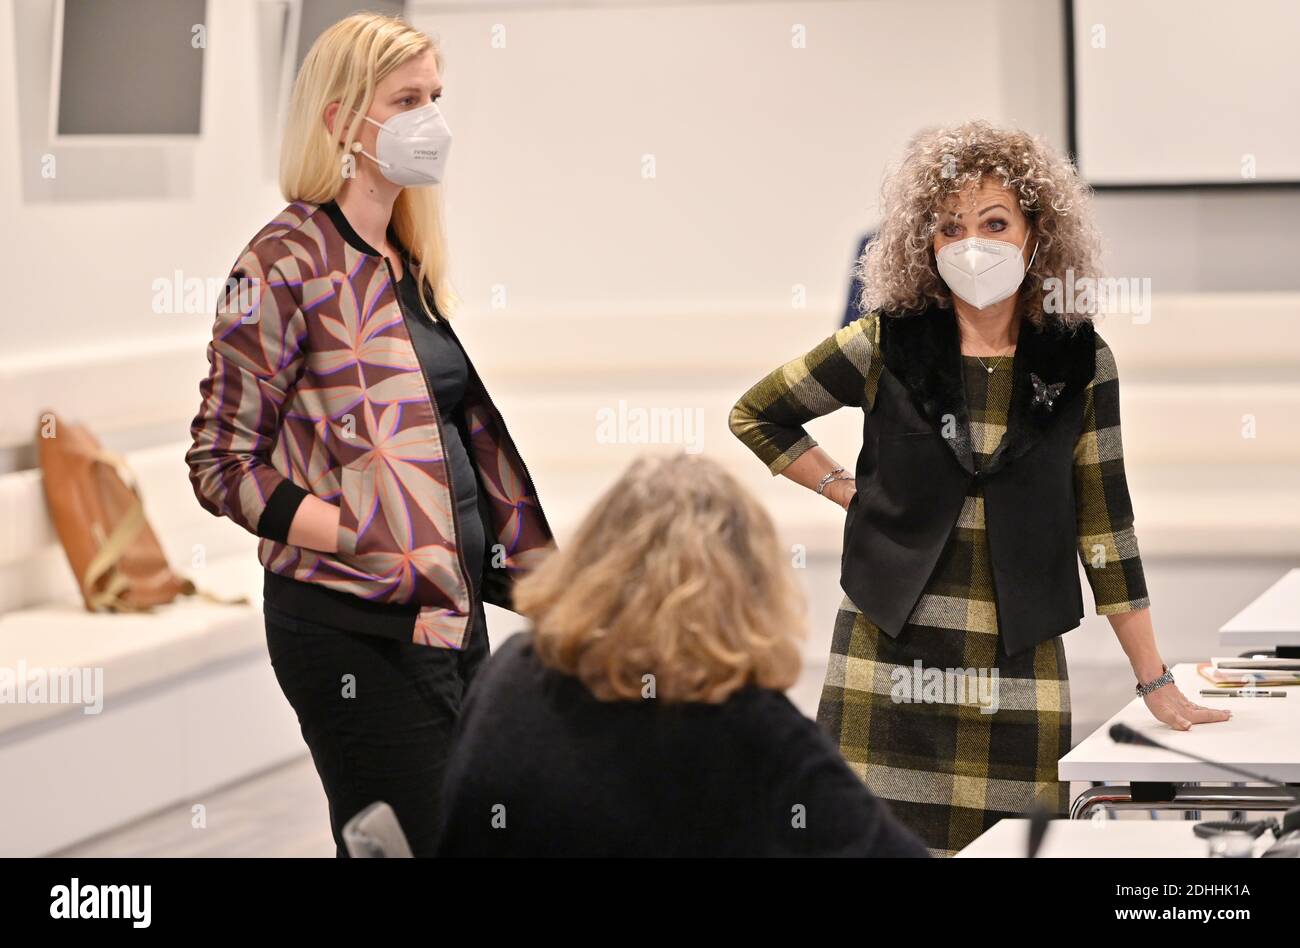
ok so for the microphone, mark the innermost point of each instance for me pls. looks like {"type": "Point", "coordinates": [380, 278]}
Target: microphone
{"type": "Point", "coordinates": [1039, 819]}
{"type": "Point", "coordinates": [1288, 833]}
{"type": "Point", "coordinates": [1123, 734]}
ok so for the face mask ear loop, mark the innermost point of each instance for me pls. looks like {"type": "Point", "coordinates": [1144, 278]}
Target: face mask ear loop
{"type": "Point", "coordinates": [1030, 265]}
{"type": "Point", "coordinates": [382, 164]}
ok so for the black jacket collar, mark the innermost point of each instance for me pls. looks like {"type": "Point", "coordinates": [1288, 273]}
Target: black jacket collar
{"type": "Point", "coordinates": [342, 225]}
{"type": "Point", "coordinates": [358, 243]}
{"type": "Point", "coordinates": [355, 240]}
{"type": "Point", "coordinates": [923, 351]}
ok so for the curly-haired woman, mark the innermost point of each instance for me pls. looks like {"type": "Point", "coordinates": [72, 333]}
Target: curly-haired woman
{"type": "Point", "coordinates": [991, 458]}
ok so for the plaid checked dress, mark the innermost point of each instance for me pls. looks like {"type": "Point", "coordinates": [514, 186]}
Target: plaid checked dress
{"type": "Point", "coordinates": [947, 770]}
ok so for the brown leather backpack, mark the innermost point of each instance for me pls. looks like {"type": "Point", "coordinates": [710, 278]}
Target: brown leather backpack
{"type": "Point", "coordinates": [95, 504]}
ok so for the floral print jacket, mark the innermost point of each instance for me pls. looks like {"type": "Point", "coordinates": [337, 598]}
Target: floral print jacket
{"type": "Point", "coordinates": [314, 387]}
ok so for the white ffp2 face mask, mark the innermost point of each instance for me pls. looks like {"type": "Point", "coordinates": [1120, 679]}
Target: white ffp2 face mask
{"type": "Point", "coordinates": [412, 146]}
{"type": "Point", "coordinates": [982, 271]}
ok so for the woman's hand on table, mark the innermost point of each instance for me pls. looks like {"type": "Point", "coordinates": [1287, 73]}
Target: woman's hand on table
{"type": "Point", "coordinates": [1171, 706]}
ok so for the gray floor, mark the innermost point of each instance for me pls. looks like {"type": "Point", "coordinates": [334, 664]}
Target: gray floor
{"type": "Point", "coordinates": [283, 813]}
{"type": "Point", "coordinates": [278, 813]}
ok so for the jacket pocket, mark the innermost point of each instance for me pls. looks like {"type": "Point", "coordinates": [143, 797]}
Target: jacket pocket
{"type": "Point", "coordinates": [356, 499]}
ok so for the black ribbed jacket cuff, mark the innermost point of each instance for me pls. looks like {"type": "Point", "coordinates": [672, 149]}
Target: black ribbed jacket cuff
{"type": "Point", "coordinates": [280, 508]}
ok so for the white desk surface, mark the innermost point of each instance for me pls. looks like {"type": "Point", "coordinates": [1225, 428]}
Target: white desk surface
{"type": "Point", "coordinates": [1272, 619]}
{"type": "Point", "coordinates": [1263, 735]}
{"type": "Point", "coordinates": [1098, 839]}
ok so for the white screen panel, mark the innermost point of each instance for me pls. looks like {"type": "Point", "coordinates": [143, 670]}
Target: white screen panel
{"type": "Point", "coordinates": [1187, 91]}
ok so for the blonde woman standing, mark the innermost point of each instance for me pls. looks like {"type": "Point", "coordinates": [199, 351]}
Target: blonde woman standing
{"type": "Point", "coordinates": [991, 463]}
{"type": "Point", "coordinates": [343, 424]}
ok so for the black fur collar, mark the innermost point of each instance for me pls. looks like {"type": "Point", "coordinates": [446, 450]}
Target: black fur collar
{"type": "Point", "coordinates": [923, 352]}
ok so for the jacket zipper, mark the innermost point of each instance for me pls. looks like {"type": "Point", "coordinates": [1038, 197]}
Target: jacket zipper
{"type": "Point", "coordinates": [506, 430]}
{"type": "Point", "coordinates": [451, 486]}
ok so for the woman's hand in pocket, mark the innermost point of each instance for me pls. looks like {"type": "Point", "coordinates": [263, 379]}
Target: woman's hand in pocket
{"type": "Point", "coordinates": [842, 491]}
{"type": "Point", "coordinates": [315, 525]}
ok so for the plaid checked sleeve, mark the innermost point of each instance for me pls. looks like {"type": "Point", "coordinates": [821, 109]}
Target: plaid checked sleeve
{"type": "Point", "coordinates": [842, 370]}
{"type": "Point", "coordinates": [1107, 544]}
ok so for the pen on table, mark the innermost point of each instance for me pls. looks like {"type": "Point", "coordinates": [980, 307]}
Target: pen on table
{"type": "Point", "coordinates": [1241, 693]}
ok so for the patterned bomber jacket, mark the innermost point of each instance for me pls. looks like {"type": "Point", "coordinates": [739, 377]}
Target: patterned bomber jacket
{"type": "Point", "coordinates": [314, 387]}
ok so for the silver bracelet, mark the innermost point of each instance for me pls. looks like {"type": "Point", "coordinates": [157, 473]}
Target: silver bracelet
{"type": "Point", "coordinates": [1166, 678]}
{"type": "Point", "coordinates": [832, 476]}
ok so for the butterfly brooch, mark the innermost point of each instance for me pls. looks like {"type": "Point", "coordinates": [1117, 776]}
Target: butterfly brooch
{"type": "Point", "coordinates": [1045, 394]}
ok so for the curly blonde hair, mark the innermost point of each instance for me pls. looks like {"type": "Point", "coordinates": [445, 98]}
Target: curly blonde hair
{"type": "Point", "coordinates": [675, 573]}
{"type": "Point", "coordinates": [898, 267]}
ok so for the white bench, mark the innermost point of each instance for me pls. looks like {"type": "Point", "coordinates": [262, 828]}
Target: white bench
{"type": "Point", "coordinates": [189, 699]}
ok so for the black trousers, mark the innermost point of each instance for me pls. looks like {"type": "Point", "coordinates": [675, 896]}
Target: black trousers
{"type": "Point", "coordinates": [377, 715]}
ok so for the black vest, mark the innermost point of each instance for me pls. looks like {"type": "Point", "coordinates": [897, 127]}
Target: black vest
{"type": "Point", "coordinates": [912, 480]}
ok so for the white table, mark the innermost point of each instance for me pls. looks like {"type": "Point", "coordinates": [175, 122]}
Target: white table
{"type": "Point", "coordinates": [1272, 620]}
{"type": "Point", "coordinates": [1098, 839]}
{"type": "Point", "coordinates": [1262, 736]}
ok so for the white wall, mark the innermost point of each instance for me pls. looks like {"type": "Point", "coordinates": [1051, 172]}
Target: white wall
{"type": "Point", "coordinates": [767, 158]}
{"type": "Point", "coordinates": [80, 269]}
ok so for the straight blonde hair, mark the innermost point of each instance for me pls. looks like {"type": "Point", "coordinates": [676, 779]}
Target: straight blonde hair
{"type": "Point", "coordinates": [674, 577]}
{"type": "Point", "coordinates": [344, 65]}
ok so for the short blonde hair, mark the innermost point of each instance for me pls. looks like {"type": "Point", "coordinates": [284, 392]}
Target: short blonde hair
{"type": "Point", "coordinates": [898, 268]}
{"type": "Point", "coordinates": [677, 573]}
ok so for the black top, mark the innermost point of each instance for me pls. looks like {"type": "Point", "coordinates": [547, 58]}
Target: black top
{"type": "Point", "coordinates": [573, 776]}
{"type": "Point", "coordinates": [447, 372]}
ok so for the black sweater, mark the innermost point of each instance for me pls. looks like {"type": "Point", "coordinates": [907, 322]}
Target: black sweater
{"type": "Point", "coordinates": [569, 775]}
